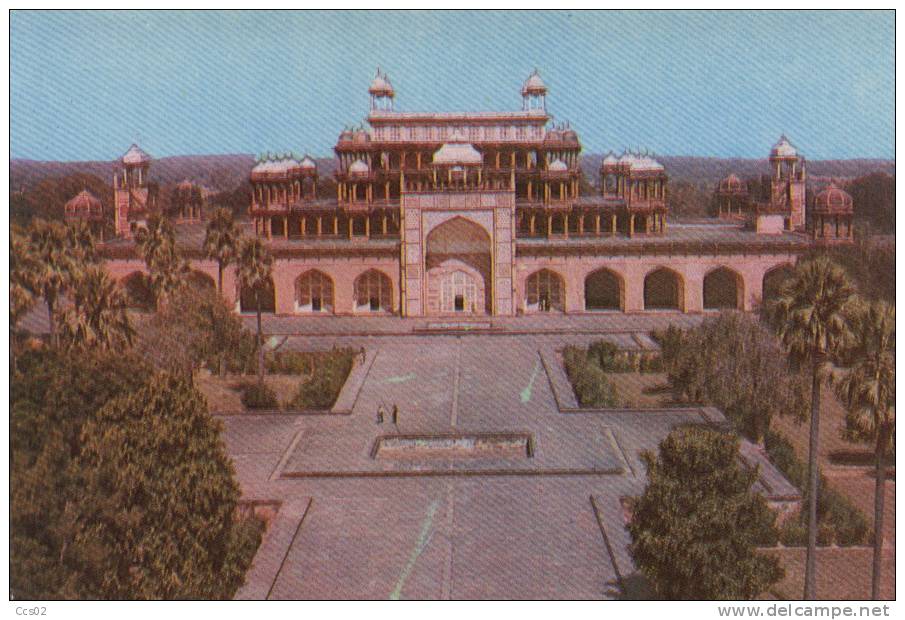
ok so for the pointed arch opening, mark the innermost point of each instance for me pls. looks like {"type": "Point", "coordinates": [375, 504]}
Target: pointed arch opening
{"type": "Point", "coordinates": [458, 263]}
{"type": "Point", "coordinates": [723, 289]}
{"type": "Point", "coordinates": [604, 289]}
{"type": "Point", "coordinates": [314, 292]}
{"type": "Point", "coordinates": [266, 296]}
{"type": "Point", "coordinates": [373, 292]}
{"type": "Point", "coordinates": [773, 281]}
{"type": "Point", "coordinates": [545, 291]}
{"type": "Point", "coordinates": [664, 289]}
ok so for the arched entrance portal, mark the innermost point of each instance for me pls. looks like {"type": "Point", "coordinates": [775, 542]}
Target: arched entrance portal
{"type": "Point", "coordinates": [663, 290]}
{"type": "Point", "coordinates": [457, 264]}
{"type": "Point", "coordinates": [603, 290]}
{"type": "Point", "coordinates": [723, 289]}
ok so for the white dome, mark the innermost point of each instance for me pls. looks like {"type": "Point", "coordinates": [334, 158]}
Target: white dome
{"type": "Point", "coordinates": [135, 156]}
{"type": "Point", "coordinates": [783, 148]}
{"type": "Point", "coordinates": [359, 167]}
{"type": "Point", "coordinates": [380, 85]}
{"type": "Point", "coordinates": [610, 158]}
{"type": "Point", "coordinates": [557, 165]}
{"type": "Point", "coordinates": [453, 153]}
{"type": "Point", "coordinates": [646, 163]}
{"type": "Point", "coordinates": [308, 163]}
{"type": "Point", "coordinates": [534, 85]}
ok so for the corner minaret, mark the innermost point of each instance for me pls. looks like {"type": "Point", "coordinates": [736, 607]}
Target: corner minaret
{"type": "Point", "coordinates": [132, 195]}
{"type": "Point", "coordinates": [381, 92]}
{"type": "Point", "coordinates": [787, 186]}
{"type": "Point", "coordinates": [534, 93]}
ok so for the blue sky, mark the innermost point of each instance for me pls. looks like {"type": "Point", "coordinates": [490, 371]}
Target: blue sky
{"type": "Point", "coordinates": [84, 85]}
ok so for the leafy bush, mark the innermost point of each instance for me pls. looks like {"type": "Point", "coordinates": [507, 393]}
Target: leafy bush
{"type": "Point", "coordinates": [840, 522]}
{"type": "Point", "coordinates": [592, 388]}
{"type": "Point", "coordinates": [259, 396]}
{"type": "Point", "coordinates": [329, 370]}
{"type": "Point", "coordinates": [650, 364]}
{"type": "Point", "coordinates": [734, 363]}
{"type": "Point", "coordinates": [700, 499]}
{"type": "Point", "coordinates": [609, 357]}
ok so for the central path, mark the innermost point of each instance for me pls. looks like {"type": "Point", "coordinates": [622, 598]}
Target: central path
{"type": "Point", "coordinates": [476, 527]}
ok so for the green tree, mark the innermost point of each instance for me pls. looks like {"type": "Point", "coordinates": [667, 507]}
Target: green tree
{"type": "Point", "coordinates": [868, 390]}
{"type": "Point", "coordinates": [22, 265]}
{"type": "Point", "coordinates": [160, 497]}
{"type": "Point", "coordinates": [54, 263]}
{"type": "Point", "coordinates": [98, 315]}
{"type": "Point", "coordinates": [810, 315]}
{"type": "Point", "coordinates": [195, 327]}
{"type": "Point", "coordinates": [735, 363]}
{"type": "Point", "coordinates": [254, 267]}
{"type": "Point", "coordinates": [53, 392]}
{"type": "Point", "coordinates": [696, 527]}
{"type": "Point", "coordinates": [221, 241]}
{"type": "Point", "coordinates": [167, 270]}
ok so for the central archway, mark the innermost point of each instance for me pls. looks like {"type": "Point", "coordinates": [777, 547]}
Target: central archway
{"type": "Point", "coordinates": [458, 268]}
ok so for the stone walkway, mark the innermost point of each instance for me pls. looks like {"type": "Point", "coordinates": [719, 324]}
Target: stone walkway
{"type": "Point", "coordinates": [541, 524]}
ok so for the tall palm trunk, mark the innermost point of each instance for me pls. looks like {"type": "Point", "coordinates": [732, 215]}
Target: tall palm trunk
{"type": "Point", "coordinates": [810, 575]}
{"type": "Point", "coordinates": [260, 343]}
{"type": "Point", "coordinates": [879, 505]}
{"type": "Point", "coordinates": [220, 365]}
{"type": "Point", "coordinates": [51, 321]}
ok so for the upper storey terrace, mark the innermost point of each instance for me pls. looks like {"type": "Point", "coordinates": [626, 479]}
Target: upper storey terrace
{"type": "Point", "coordinates": [517, 151]}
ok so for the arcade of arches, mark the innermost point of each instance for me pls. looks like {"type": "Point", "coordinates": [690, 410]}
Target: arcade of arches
{"type": "Point", "coordinates": [458, 283]}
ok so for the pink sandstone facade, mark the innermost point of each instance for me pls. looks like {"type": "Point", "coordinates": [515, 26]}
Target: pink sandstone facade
{"type": "Point", "coordinates": [484, 214]}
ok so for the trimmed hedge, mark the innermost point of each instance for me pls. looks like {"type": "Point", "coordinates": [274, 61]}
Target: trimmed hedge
{"type": "Point", "coordinates": [259, 396]}
{"type": "Point", "coordinates": [328, 372]}
{"type": "Point", "coordinates": [840, 522]}
{"type": "Point", "coordinates": [589, 380]}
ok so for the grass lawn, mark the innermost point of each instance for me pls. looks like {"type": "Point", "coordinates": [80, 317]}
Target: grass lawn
{"type": "Point", "coordinates": [641, 390]}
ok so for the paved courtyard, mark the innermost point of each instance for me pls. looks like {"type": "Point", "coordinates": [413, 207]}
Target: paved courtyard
{"type": "Point", "coordinates": [360, 520]}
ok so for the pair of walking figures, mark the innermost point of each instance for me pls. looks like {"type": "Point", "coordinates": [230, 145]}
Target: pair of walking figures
{"type": "Point", "coordinates": [393, 414]}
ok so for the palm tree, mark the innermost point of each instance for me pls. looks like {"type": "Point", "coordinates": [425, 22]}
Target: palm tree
{"type": "Point", "coordinates": [868, 391]}
{"type": "Point", "coordinates": [166, 268]}
{"type": "Point", "coordinates": [254, 266]}
{"type": "Point", "coordinates": [53, 264]}
{"type": "Point", "coordinates": [221, 240]}
{"type": "Point", "coordinates": [810, 315]}
{"type": "Point", "coordinates": [98, 316]}
{"type": "Point", "coordinates": [22, 266]}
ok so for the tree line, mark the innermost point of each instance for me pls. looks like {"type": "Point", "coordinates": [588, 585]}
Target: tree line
{"type": "Point", "coordinates": [121, 485]}
{"type": "Point", "coordinates": [818, 330]}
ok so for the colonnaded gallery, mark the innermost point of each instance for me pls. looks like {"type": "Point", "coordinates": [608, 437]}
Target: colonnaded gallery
{"type": "Point", "coordinates": [486, 214]}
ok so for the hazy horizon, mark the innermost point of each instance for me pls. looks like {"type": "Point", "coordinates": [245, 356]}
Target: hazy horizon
{"type": "Point", "coordinates": [85, 85]}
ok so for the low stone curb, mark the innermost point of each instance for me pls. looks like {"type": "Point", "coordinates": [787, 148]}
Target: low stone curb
{"type": "Point", "coordinates": [271, 555]}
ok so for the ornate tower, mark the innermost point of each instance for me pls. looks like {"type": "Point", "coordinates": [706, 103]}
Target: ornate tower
{"type": "Point", "coordinates": [132, 195]}
{"type": "Point", "coordinates": [787, 186]}
{"type": "Point", "coordinates": [381, 92]}
{"type": "Point", "coordinates": [534, 93]}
